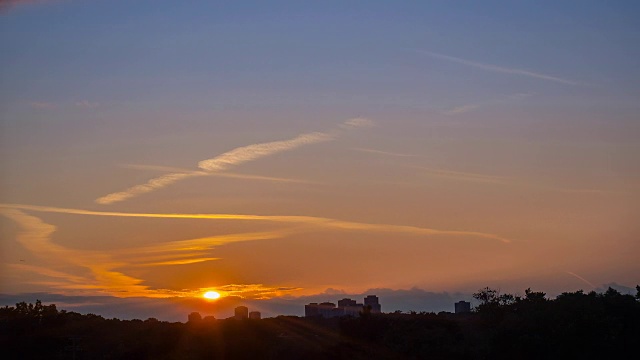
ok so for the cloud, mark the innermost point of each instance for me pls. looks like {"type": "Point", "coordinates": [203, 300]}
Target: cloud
{"type": "Point", "coordinates": [43, 105]}
{"type": "Point", "coordinates": [296, 219]}
{"type": "Point", "coordinates": [499, 69]}
{"type": "Point", "coordinates": [470, 107]}
{"type": "Point", "coordinates": [356, 123]}
{"type": "Point", "coordinates": [218, 174]}
{"type": "Point", "coordinates": [461, 109]}
{"type": "Point", "coordinates": [231, 158]}
{"type": "Point", "coordinates": [581, 279]}
{"type": "Point", "coordinates": [151, 185]}
{"type": "Point", "coordinates": [252, 291]}
{"type": "Point", "coordinates": [464, 176]}
{"type": "Point", "coordinates": [102, 277]}
{"type": "Point", "coordinates": [510, 181]}
{"type": "Point", "coordinates": [7, 5]}
{"type": "Point", "coordinates": [35, 237]}
{"type": "Point", "coordinates": [380, 152]}
{"type": "Point", "coordinates": [85, 104]}
{"type": "Point", "coordinates": [184, 252]}
{"type": "Point", "coordinates": [252, 152]}
{"type": "Point", "coordinates": [101, 269]}
{"type": "Point", "coordinates": [51, 273]}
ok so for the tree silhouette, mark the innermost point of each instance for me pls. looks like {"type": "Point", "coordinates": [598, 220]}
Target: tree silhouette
{"type": "Point", "coordinates": [573, 325]}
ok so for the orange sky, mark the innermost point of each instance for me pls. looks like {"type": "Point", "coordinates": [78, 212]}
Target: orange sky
{"type": "Point", "coordinates": [443, 168]}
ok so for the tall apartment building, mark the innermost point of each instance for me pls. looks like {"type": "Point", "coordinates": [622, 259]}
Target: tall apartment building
{"type": "Point", "coordinates": [241, 312]}
{"type": "Point", "coordinates": [346, 307]}
{"type": "Point", "coordinates": [372, 301]}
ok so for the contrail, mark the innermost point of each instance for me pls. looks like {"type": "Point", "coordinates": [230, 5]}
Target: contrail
{"type": "Point", "coordinates": [297, 219]}
{"type": "Point", "coordinates": [581, 278]}
{"type": "Point", "coordinates": [219, 174]}
{"type": "Point", "coordinates": [231, 158]}
{"type": "Point", "coordinates": [252, 152]}
{"type": "Point", "coordinates": [465, 176]}
{"type": "Point", "coordinates": [499, 69]}
{"type": "Point", "coordinates": [461, 109]}
{"type": "Point", "coordinates": [374, 151]}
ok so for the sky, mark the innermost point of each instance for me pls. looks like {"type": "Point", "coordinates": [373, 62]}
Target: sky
{"type": "Point", "coordinates": [285, 152]}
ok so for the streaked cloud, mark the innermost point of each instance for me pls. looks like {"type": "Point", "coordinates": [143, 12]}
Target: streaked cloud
{"type": "Point", "coordinates": [184, 252]}
{"type": "Point", "coordinates": [85, 104]}
{"type": "Point", "coordinates": [35, 236]}
{"type": "Point", "coordinates": [356, 123]}
{"type": "Point", "coordinates": [151, 185]}
{"type": "Point", "coordinates": [47, 272]}
{"type": "Point", "coordinates": [218, 174]}
{"type": "Point", "coordinates": [42, 105]}
{"type": "Point", "coordinates": [6, 5]}
{"type": "Point", "coordinates": [234, 157]}
{"type": "Point", "coordinates": [509, 181]}
{"type": "Point", "coordinates": [252, 152]}
{"type": "Point", "coordinates": [304, 220]}
{"type": "Point", "coordinates": [102, 276]}
{"type": "Point", "coordinates": [463, 176]}
{"type": "Point", "coordinates": [581, 279]}
{"type": "Point", "coordinates": [461, 109]}
{"type": "Point", "coordinates": [380, 152]}
{"type": "Point", "coordinates": [499, 69]}
{"type": "Point", "coordinates": [252, 291]}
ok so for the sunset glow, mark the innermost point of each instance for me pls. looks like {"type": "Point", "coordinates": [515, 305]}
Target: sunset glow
{"type": "Point", "coordinates": [273, 154]}
{"type": "Point", "coordinates": [211, 295]}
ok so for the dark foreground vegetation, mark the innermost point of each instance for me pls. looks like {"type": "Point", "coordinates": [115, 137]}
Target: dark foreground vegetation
{"type": "Point", "coordinates": [573, 326]}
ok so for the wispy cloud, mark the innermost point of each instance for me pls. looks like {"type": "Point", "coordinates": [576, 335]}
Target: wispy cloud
{"type": "Point", "coordinates": [303, 220]}
{"type": "Point", "coordinates": [184, 252]}
{"type": "Point", "coordinates": [380, 152]}
{"type": "Point", "coordinates": [581, 279]}
{"type": "Point", "coordinates": [499, 69]}
{"type": "Point", "coordinates": [43, 105]}
{"type": "Point", "coordinates": [509, 181]}
{"type": "Point", "coordinates": [219, 174]}
{"type": "Point", "coordinates": [252, 291]}
{"type": "Point", "coordinates": [252, 152]}
{"type": "Point", "coordinates": [151, 185]}
{"type": "Point", "coordinates": [5, 5]}
{"type": "Point", "coordinates": [463, 176]}
{"type": "Point", "coordinates": [35, 236]}
{"type": "Point", "coordinates": [461, 109]}
{"type": "Point", "coordinates": [234, 157]}
{"type": "Point", "coordinates": [47, 272]}
{"type": "Point", "coordinates": [85, 104]}
{"type": "Point", "coordinates": [102, 275]}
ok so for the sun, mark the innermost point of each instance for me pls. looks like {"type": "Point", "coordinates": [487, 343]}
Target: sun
{"type": "Point", "coordinates": [211, 295]}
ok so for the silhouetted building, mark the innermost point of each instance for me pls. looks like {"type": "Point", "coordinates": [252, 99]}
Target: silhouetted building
{"type": "Point", "coordinates": [255, 315]}
{"type": "Point", "coordinates": [241, 312]}
{"type": "Point", "coordinates": [353, 310]}
{"type": "Point", "coordinates": [346, 302]}
{"type": "Point", "coordinates": [328, 310]}
{"type": "Point", "coordinates": [325, 310]}
{"type": "Point", "coordinates": [345, 307]}
{"type": "Point", "coordinates": [195, 317]}
{"type": "Point", "coordinates": [372, 301]}
{"type": "Point", "coordinates": [311, 310]}
{"type": "Point", "coordinates": [463, 307]}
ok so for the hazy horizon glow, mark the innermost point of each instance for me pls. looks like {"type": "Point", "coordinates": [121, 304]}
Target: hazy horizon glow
{"type": "Point", "coordinates": [277, 153]}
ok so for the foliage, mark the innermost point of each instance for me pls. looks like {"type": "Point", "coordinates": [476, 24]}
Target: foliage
{"type": "Point", "coordinates": [504, 326]}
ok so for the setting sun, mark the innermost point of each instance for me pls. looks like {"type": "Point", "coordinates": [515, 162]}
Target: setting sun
{"type": "Point", "coordinates": [211, 295]}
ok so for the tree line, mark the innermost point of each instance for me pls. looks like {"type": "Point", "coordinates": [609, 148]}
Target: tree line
{"type": "Point", "coordinates": [502, 326]}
